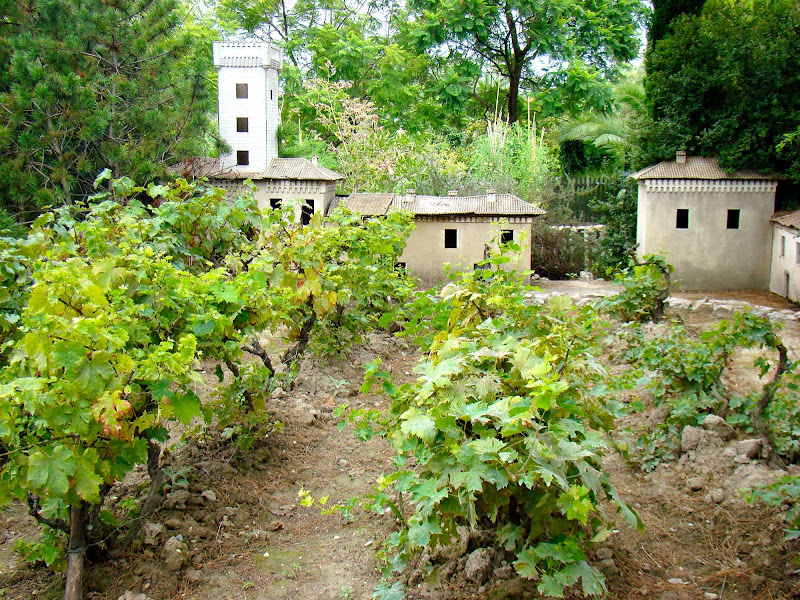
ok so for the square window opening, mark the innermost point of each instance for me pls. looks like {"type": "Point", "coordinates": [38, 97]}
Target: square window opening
{"type": "Point", "coordinates": [242, 157]}
{"type": "Point", "coordinates": [451, 238]}
{"type": "Point", "coordinates": [682, 218]}
{"type": "Point", "coordinates": [733, 218]}
{"type": "Point", "coordinates": [275, 203]}
{"type": "Point", "coordinates": [506, 236]}
{"type": "Point", "coordinates": [307, 212]}
{"type": "Point", "coordinates": [242, 124]}
{"type": "Point", "coordinates": [241, 90]}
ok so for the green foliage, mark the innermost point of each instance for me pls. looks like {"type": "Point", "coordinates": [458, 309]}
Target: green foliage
{"type": "Point", "coordinates": [503, 429]}
{"type": "Point", "coordinates": [665, 12]}
{"type": "Point", "coordinates": [784, 492]}
{"type": "Point", "coordinates": [684, 374]}
{"type": "Point", "coordinates": [618, 217]}
{"type": "Point", "coordinates": [724, 84]}
{"type": "Point", "coordinates": [646, 287]}
{"type": "Point", "coordinates": [91, 85]}
{"type": "Point", "coordinates": [581, 43]}
{"type": "Point", "coordinates": [108, 309]}
{"type": "Point", "coordinates": [612, 130]}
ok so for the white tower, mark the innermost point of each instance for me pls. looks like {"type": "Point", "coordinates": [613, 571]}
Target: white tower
{"type": "Point", "coordinates": [247, 96]}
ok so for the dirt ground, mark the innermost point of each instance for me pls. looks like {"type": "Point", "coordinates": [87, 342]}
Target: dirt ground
{"type": "Point", "coordinates": [250, 539]}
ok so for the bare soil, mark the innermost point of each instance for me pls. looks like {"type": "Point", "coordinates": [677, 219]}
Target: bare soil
{"type": "Point", "coordinates": [256, 542]}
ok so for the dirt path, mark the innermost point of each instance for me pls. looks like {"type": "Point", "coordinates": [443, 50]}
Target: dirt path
{"type": "Point", "coordinates": [250, 539]}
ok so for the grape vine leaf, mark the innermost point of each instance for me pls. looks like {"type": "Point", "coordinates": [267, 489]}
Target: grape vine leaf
{"type": "Point", "coordinates": [50, 473]}
{"type": "Point", "coordinates": [419, 425]}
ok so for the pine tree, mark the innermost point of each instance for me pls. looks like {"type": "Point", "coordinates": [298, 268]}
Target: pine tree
{"type": "Point", "coordinates": [93, 84]}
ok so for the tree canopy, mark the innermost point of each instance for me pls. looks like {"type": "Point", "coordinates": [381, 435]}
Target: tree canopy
{"type": "Point", "coordinates": [533, 46]}
{"type": "Point", "coordinates": [118, 84]}
{"type": "Point", "coordinates": [727, 83]}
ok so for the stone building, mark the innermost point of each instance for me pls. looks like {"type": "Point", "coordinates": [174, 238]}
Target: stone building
{"type": "Point", "coordinates": [459, 230]}
{"type": "Point", "coordinates": [248, 111]}
{"type": "Point", "coordinates": [785, 268]}
{"type": "Point", "coordinates": [713, 227]}
{"type": "Point", "coordinates": [454, 229]}
{"type": "Point", "coordinates": [248, 86]}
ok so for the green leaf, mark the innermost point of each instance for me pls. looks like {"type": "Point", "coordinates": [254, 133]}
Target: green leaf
{"type": "Point", "coordinates": [487, 445]}
{"type": "Point", "coordinates": [87, 482]}
{"type": "Point", "coordinates": [419, 425]}
{"type": "Point", "coordinates": [49, 473]}
{"type": "Point", "coordinates": [419, 533]}
{"type": "Point", "coordinates": [526, 564]}
{"type": "Point", "coordinates": [395, 591]}
{"type": "Point", "coordinates": [104, 175]}
{"type": "Point", "coordinates": [204, 328]}
{"type": "Point", "coordinates": [185, 407]}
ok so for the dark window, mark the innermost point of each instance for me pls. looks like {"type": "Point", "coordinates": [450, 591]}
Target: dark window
{"type": "Point", "coordinates": [797, 255]}
{"type": "Point", "coordinates": [307, 212]}
{"type": "Point", "coordinates": [400, 266]}
{"type": "Point", "coordinates": [733, 218]}
{"type": "Point", "coordinates": [242, 157]}
{"type": "Point", "coordinates": [783, 246]}
{"type": "Point", "coordinates": [506, 236]}
{"type": "Point", "coordinates": [275, 203]}
{"type": "Point", "coordinates": [242, 125]}
{"type": "Point", "coordinates": [241, 90]}
{"type": "Point", "coordinates": [451, 238]}
{"type": "Point", "coordinates": [682, 219]}
{"type": "Point", "coordinates": [270, 94]}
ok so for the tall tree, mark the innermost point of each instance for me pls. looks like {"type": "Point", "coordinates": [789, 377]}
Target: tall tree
{"type": "Point", "coordinates": [533, 45]}
{"type": "Point", "coordinates": [727, 83]}
{"type": "Point", "coordinates": [666, 11]}
{"type": "Point", "coordinates": [95, 84]}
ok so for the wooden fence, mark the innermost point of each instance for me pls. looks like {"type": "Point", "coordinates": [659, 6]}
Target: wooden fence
{"type": "Point", "coordinates": [579, 192]}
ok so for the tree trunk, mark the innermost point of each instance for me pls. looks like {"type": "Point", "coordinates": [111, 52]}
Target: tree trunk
{"type": "Point", "coordinates": [78, 519]}
{"type": "Point", "coordinates": [767, 395]}
{"type": "Point", "coordinates": [513, 97]}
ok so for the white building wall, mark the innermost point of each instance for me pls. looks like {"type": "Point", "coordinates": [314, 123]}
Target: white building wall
{"type": "Point", "coordinates": [707, 255]}
{"type": "Point", "coordinates": [784, 277]}
{"type": "Point", "coordinates": [258, 65]}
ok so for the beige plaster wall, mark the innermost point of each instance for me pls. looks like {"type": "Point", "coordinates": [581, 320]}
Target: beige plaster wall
{"type": "Point", "coordinates": [322, 193]}
{"type": "Point", "coordinates": [425, 254]}
{"type": "Point", "coordinates": [707, 255]}
{"type": "Point", "coordinates": [786, 265]}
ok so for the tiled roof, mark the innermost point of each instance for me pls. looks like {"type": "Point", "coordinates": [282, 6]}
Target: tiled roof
{"type": "Point", "coordinates": [369, 204]}
{"type": "Point", "coordinates": [787, 219]}
{"type": "Point", "coordinates": [300, 169]}
{"type": "Point", "coordinates": [504, 205]}
{"type": "Point", "coordinates": [695, 167]}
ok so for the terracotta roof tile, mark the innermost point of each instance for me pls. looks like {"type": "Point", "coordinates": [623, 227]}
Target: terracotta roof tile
{"type": "Point", "coordinates": [787, 219]}
{"type": "Point", "coordinates": [696, 167]}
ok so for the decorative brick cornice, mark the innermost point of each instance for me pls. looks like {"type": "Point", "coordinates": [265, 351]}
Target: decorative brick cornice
{"type": "Point", "coordinates": [745, 186]}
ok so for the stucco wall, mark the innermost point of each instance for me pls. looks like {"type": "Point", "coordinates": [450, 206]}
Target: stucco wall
{"type": "Point", "coordinates": [297, 192]}
{"type": "Point", "coordinates": [257, 66]}
{"type": "Point", "coordinates": [425, 254]}
{"type": "Point", "coordinates": [287, 191]}
{"type": "Point", "coordinates": [707, 255]}
{"type": "Point", "coordinates": [786, 266]}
